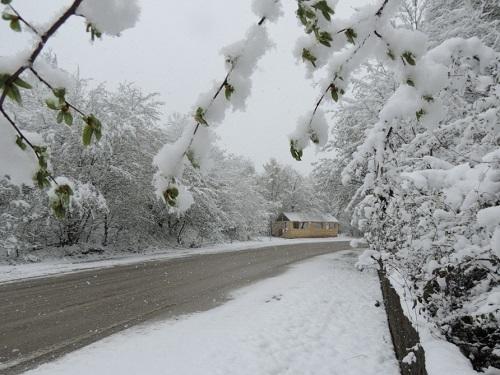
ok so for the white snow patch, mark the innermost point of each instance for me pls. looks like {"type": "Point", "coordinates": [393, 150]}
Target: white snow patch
{"type": "Point", "coordinates": [409, 358]}
{"type": "Point", "coordinates": [271, 9]}
{"type": "Point", "coordinates": [19, 165]}
{"type": "Point", "coordinates": [110, 16]}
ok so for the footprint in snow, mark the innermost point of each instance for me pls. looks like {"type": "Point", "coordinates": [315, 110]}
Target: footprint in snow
{"type": "Point", "coordinates": [276, 298]}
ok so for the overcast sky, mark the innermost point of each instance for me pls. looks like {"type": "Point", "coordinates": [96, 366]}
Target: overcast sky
{"type": "Point", "coordinates": [174, 50]}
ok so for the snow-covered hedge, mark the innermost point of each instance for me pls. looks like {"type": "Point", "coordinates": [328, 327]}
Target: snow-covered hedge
{"type": "Point", "coordinates": [428, 167]}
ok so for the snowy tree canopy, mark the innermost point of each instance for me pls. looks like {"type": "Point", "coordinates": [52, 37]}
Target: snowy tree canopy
{"type": "Point", "coordinates": [426, 164]}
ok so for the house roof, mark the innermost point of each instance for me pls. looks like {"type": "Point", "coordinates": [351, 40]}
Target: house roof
{"type": "Point", "coordinates": [312, 217]}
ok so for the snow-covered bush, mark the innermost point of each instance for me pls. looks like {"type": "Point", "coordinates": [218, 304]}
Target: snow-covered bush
{"type": "Point", "coordinates": [433, 204]}
{"type": "Point", "coordinates": [428, 163]}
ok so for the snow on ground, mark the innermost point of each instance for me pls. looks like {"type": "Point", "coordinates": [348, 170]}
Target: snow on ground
{"type": "Point", "coordinates": [59, 266]}
{"type": "Point", "coordinates": [317, 318]}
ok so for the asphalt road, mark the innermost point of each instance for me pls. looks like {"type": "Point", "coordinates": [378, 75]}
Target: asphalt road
{"type": "Point", "coordinates": [42, 319]}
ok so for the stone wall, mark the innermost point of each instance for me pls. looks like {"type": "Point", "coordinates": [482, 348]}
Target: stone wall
{"type": "Point", "coordinates": [404, 336]}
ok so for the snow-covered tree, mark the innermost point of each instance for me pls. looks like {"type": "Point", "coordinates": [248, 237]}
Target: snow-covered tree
{"type": "Point", "coordinates": [351, 118]}
{"type": "Point", "coordinates": [286, 189]}
{"type": "Point", "coordinates": [427, 163]}
{"type": "Point", "coordinates": [446, 19]}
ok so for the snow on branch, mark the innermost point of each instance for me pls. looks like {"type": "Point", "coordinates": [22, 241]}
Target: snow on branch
{"type": "Point", "coordinates": [342, 44]}
{"type": "Point", "coordinates": [241, 60]}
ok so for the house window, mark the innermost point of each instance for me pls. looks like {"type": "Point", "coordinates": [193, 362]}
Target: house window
{"type": "Point", "coordinates": [296, 225]}
{"type": "Point", "coordinates": [303, 225]}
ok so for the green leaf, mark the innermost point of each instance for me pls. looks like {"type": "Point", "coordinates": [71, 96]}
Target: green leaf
{"type": "Point", "coordinates": [428, 98]}
{"type": "Point", "coordinates": [64, 192]}
{"type": "Point", "coordinates": [410, 82]}
{"type": "Point", "coordinates": [6, 2]}
{"type": "Point", "coordinates": [98, 132]}
{"type": "Point", "coordinates": [171, 195]}
{"type": "Point", "coordinates": [13, 93]}
{"type": "Point", "coordinates": [62, 203]}
{"type": "Point", "coordinates": [94, 32]}
{"type": "Point", "coordinates": [25, 85]}
{"type": "Point", "coordinates": [314, 138]}
{"type": "Point", "coordinates": [42, 178]}
{"type": "Point", "coordinates": [58, 209]}
{"type": "Point", "coordinates": [324, 38]}
{"type": "Point", "coordinates": [41, 152]}
{"type": "Point", "coordinates": [192, 158]}
{"type": "Point", "coordinates": [59, 92]}
{"type": "Point", "coordinates": [312, 26]}
{"type": "Point", "coordinates": [409, 57]}
{"type": "Point", "coordinates": [324, 8]}
{"type": "Point", "coordinates": [351, 35]}
{"type": "Point", "coordinates": [391, 54]}
{"type": "Point", "coordinates": [305, 14]}
{"type": "Point", "coordinates": [228, 90]}
{"type": "Point", "coordinates": [93, 127]}
{"type": "Point", "coordinates": [295, 151]}
{"type": "Point", "coordinates": [336, 92]}
{"type": "Point", "coordinates": [8, 16]}
{"type": "Point", "coordinates": [199, 116]}
{"type": "Point", "coordinates": [15, 25]}
{"type": "Point", "coordinates": [3, 78]}
{"type": "Point", "coordinates": [419, 114]}
{"type": "Point", "coordinates": [87, 135]}
{"type": "Point", "coordinates": [308, 56]}
{"type": "Point", "coordinates": [51, 103]}
{"type": "Point", "coordinates": [68, 118]}
{"type": "Point", "coordinates": [20, 143]}
{"type": "Point", "coordinates": [60, 117]}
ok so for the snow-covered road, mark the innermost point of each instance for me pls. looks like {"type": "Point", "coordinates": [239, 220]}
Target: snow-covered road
{"type": "Point", "coordinates": [317, 318]}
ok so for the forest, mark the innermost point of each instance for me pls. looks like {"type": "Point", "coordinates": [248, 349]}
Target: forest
{"type": "Point", "coordinates": [114, 207]}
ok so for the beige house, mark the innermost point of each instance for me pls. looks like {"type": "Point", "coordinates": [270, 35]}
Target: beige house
{"type": "Point", "coordinates": [298, 225]}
